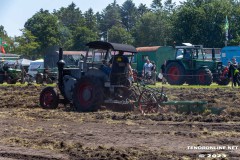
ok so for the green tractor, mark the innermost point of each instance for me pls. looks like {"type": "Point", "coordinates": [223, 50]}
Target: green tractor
{"type": "Point", "coordinates": [191, 66]}
{"type": "Point", "coordinates": [48, 75]}
{"type": "Point", "coordinates": [9, 75]}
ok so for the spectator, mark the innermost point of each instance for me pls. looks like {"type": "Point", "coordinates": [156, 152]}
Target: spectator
{"type": "Point", "coordinates": [229, 63]}
{"type": "Point", "coordinates": [234, 72]}
{"type": "Point", "coordinates": [234, 62]}
{"type": "Point", "coordinates": [153, 72]}
{"type": "Point", "coordinates": [147, 68]}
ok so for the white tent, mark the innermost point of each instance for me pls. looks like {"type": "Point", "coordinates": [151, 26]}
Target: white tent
{"type": "Point", "coordinates": [24, 62]}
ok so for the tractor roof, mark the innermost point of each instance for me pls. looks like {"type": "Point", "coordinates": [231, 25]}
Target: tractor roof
{"type": "Point", "coordinates": [113, 46]}
{"type": "Point", "coordinates": [148, 49]}
{"type": "Point", "coordinates": [193, 46]}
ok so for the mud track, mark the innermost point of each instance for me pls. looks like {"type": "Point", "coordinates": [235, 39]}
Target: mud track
{"type": "Point", "coordinates": [29, 132]}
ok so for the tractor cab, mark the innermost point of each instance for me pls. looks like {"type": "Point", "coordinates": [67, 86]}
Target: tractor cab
{"type": "Point", "coordinates": [112, 59]}
{"type": "Point", "coordinates": [190, 52]}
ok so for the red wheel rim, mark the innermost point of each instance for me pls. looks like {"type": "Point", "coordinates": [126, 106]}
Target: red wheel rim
{"type": "Point", "coordinates": [146, 105]}
{"type": "Point", "coordinates": [201, 77]}
{"type": "Point", "coordinates": [174, 73]}
{"type": "Point", "coordinates": [48, 98]}
{"type": "Point", "coordinates": [225, 73]}
{"type": "Point", "coordinates": [134, 76]}
{"type": "Point", "coordinates": [85, 94]}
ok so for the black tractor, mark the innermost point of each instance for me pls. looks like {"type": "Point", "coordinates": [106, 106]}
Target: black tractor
{"type": "Point", "coordinates": [92, 82]}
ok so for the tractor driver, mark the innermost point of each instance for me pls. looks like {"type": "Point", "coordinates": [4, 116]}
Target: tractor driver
{"type": "Point", "coordinates": [119, 63]}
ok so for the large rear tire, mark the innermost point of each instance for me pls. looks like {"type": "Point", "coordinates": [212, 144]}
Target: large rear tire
{"type": "Point", "coordinates": [88, 94]}
{"type": "Point", "coordinates": [2, 77]}
{"type": "Point", "coordinates": [175, 74]}
{"type": "Point", "coordinates": [10, 80]}
{"type": "Point", "coordinates": [204, 77]}
{"type": "Point", "coordinates": [49, 98]}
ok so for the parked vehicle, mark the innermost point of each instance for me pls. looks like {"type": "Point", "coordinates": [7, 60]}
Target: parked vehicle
{"type": "Point", "coordinates": [158, 54]}
{"type": "Point", "coordinates": [9, 74]}
{"type": "Point", "coordinates": [229, 52]}
{"type": "Point", "coordinates": [191, 66]}
{"type": "Point", "coordinates": [48, 75]}
{"type": "Point", "coordinates": [34, 66]}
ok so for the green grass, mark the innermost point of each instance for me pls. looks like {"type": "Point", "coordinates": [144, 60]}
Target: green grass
{"type": "Point", "coordinates": [25, 84]}
{"type": "Point", "coordinates": [158, 84]}
{"type": "Point", "coordinates": [213, 85]}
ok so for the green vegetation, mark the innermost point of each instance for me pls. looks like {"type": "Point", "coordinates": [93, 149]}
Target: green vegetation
{"type": "Point", "coordinates": [164, 22]}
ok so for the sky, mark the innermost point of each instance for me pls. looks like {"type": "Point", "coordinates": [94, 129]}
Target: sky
{"type": "Point", "coordinates": [14, 13]}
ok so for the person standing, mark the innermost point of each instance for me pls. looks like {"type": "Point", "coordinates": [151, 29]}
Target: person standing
{"type": "Point", "coordinates": [234, 72]}
{"type": "Point", "coordinates": [147, 68]}
{"type": "Point", "coordinates": [148, 72]}
{"type": "Point", "coordinates": [154, 72]}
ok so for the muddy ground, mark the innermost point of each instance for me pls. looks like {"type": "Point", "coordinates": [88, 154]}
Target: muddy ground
{"type": "Point", "coordinates": [29, 132]}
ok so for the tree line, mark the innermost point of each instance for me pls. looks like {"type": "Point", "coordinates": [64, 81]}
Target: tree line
{"type": "Point", "coordinates": [163, 23]}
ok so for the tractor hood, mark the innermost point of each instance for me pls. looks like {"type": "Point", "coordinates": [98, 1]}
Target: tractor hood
{"type": "Point", "coordinates": [113, 46]}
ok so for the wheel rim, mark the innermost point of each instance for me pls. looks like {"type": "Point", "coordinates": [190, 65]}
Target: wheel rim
{"type": "Point", "coordinates": [147, 103]}
{"type": "Point", "coordinates": [225, 73]}
{"type": "Point", "coordinates": [48, 99]}
{"type": "Point", "coordinates": [174, 73]}
{"type": "Point", "coordinates": [201, 77]}
{"type": "Point", "coordinates": [85, 94]}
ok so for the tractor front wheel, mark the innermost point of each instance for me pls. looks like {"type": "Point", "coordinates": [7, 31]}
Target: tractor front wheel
{"type": "Point", "coordinates": [204, 77]}
{"type": "Point", "coordinates": [10, 80]}
{"type": "Point", "coordinates": [2, 77]}
{"type": "Point", "coordinates": [88, 94]}
{"type": "Point", "coordinates": [175, 74]}
{"type": "Point", "coordinates": [49, 98]}
{"type": "Point", "coordinates": [39, 79]}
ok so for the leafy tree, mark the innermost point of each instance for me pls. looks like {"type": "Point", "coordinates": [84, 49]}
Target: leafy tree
{"type": "Point", "coordinates": [90, 20]}
{"type": "Point", "coordinates": [169, 6]}
{"type": "Point", "coordinates": [146, 32]}
{"type": "Point", "coordinates": [110, 17]}
{"type": "Point", "coordinates": [234, 28]}
{"type": "Point", "coordinates": [7, 42]}
{"type": "Point", "coordinates": [201, 22]}
{"type": "Point", "coordinates": [45, 27]}
{"type": "Point", "coordinates": [2, 31]}
{"type": "Point", "coordinates": [142, 9]}
{"type": "Point", "coordinates": [118, 34]}
{"type": "Point", "coordinates": [27, 45]}
{"type": "Point", "coordinates": [82, 37]}
{"type": "Point", "coordinates": [129, 14]}
{"type": "Point", "coordinates": [71, 17]}
{"type": "Point", "coordinates": [156, 5]}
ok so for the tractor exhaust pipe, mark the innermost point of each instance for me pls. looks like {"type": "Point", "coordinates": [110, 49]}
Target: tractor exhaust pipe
{"type": "Point", "coordinates": [213, 54]}
{"type": "Point", "coordinates": [60, 65]}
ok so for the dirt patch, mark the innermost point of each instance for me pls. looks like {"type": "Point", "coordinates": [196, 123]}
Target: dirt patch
{"type": "Point", "coordinates": [29, 132]}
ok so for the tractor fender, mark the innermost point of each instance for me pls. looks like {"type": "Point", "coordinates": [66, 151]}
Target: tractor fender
{"type": "Point", "coordinates": [41, 74]}
{"type": "Point", "coordinates": [176, 61]}
{"type": "Point", "coordinates": [95, 72]}
{"type": "Point", "coordinates": [69, 84]}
